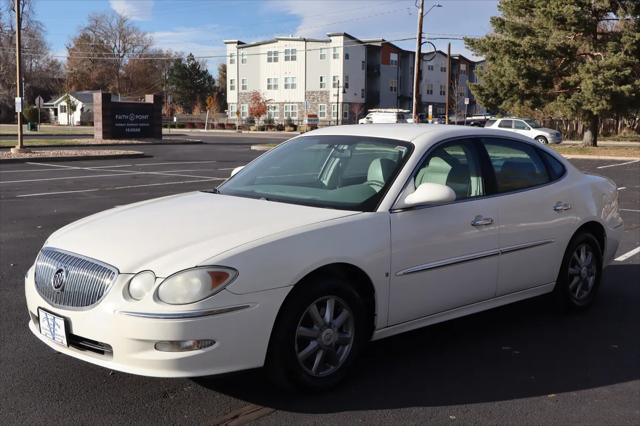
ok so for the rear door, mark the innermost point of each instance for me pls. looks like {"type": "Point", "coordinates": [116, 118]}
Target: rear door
{"type": "Point", "coordinates": [522, 128]}
{"type": "Point", "coordinates": [534, 206]}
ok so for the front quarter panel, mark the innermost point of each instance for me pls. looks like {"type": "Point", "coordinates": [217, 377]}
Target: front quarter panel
{"type": "Point", "coordinates": [361, 240]}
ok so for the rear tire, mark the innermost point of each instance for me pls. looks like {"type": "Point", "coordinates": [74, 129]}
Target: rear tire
{"type": "Point", "coordinates": [310, 348]}
{"type": "Point", "coordinates": [542, 140]}
{"type": "Point", "coordinates": [580, 273]}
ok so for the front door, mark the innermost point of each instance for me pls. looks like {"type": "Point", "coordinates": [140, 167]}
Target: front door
{"type": "Point", "coordinates": [444, 256]}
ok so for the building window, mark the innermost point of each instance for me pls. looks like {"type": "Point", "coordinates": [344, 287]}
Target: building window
{"type": "Point", "coordinates": [289, 55]}
{"type": "Point", "coordinates": [346, 56]}
{"type": "Point", "coordinates": [362, 93]}
{"type": "Point", "coordinates": [463, 68]}
{"type": "Point", "coordinates": [272, 111]}
{"type": "Point", "coordinates": [393, 59]}
{"type": "Point", "coordinates": [362, 66]}
{"type": "Point", "coordinates": [323, 82]}
{"type": "Point", "coordinates": [336, 54]}
{"type": "Point", "coordinates": [244, 110]}
{"type": "Point", "coordinates": [243, 57]}
{"type": "Point", "coordinates": [272, 84]}
{"type": "Point", "coordinates": [393, 86]}
{"type": "Point", "coordinates": [430, 89]}
{"type": "Point", "coordinates": [272, 56]}
{"type": "Point", "coordinates": [346, 81]}
{"type": "Point", "coordinates": [323, 53]}
{"type": "Point", "coordinates": [429, 67]}
{"type": "Point", "coordinates": [443, 68]}
{"type": "Point", "coordinates": [291, 111]}
{"type": "Point", "coordinates": [243, 84]}
{"type": "Point", "coordinates": [345, 113]}
{"type": "Point", "coordinates": [289, 82]}
{"type": "Point", "coordinates": [335, 82]}
{"type": "Point", "coordinates": [442, 90]}
{"type": "Point", "coordinates": [322, 111]}
{"type": "Point", "coordinates": [334, 111]}
{"type": "Point", "coordinates": [232, 58]}
{"type": "Point", "coordinates": [232, 84]}
{"type": "Point", "coordinates": [63, 109]}
{"type": "Point", "coordinates": [232, 110]}
{"type": "Point", "coordinates": [440, 110]}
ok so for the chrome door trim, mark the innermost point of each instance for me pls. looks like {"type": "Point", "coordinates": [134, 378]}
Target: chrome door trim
{"type": "Point", "coordinates": [471, 257]}
{"type": "Point", "coordinates": [184, 314]}
{"type": "Point", "coordinates": [448, 262]}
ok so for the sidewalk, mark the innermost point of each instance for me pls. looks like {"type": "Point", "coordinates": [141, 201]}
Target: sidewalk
{"type": "Point", "coordinates": [606, 143]}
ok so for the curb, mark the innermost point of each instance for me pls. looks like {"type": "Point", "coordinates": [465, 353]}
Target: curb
{"type": "Point", "coordinates": [599, 157]}
{"type": "Point", "coordinates": [111, 145]}
{"type": "Point", "coordinates": [134, 154]}
{"type": "Point", "coordinates": [261, 148]}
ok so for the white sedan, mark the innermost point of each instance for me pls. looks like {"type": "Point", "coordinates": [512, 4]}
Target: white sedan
{"type": "Point", "coordinates": [337, 237]}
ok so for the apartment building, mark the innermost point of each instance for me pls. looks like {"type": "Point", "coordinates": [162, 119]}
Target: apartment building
{"type": "Point", "coordinates": [339, 78]}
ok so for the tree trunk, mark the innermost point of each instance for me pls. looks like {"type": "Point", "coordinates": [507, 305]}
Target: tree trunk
{"type": "Point", "coordinates": [590, 137]}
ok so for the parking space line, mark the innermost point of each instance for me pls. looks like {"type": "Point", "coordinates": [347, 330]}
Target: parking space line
{"type": "Point", "coordinates": [630, 210]}
{"type": "Point", "coordinates": [618, 164]}
{"type": "Point", "coordinates": [119, 187]}
{"type": "Point", "coordinates": [628, 254]}
{"type": "Point", "coordinates": [114, 173]}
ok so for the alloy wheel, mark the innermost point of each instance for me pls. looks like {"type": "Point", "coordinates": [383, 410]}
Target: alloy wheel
{"type": "Point", "coordinates": [324, 336]}
{"type": "Point", "coordinates": [582, 272]}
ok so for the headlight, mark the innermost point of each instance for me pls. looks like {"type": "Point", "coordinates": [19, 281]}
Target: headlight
{"type": "Point", "coordinates": [141, 284]}
{"type": "Point", "coordinates": [195, 284]}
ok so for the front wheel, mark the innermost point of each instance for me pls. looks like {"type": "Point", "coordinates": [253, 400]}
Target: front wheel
{"type": "Point", "coordinates": [580, 274]}
{"type": "Point", "coordinates": [542, 140]}
{"type": "Point", "coordinates": [317, 336]}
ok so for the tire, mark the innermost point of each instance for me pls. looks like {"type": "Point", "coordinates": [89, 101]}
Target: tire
{"type": "Point", "coordinates": [542, 140]}
{"type": "Point", "coordinates": [292, 359]}
{"type": "Point", "coordinates": [580, 274]}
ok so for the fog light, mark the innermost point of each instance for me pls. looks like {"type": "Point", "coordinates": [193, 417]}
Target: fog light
{"type": "Point", "coordinates": [183, 345]}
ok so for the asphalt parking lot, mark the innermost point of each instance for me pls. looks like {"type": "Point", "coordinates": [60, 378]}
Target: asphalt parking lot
{"type": "Point", "coordinates": [519, 364]}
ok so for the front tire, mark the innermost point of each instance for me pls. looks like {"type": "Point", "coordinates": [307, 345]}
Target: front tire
{"type": "Point", "coordinates": [542, 140]}
{"type": "Point", "coordinates": [319, 333]}
{"type": "Point", "coordinates": [580, 273]}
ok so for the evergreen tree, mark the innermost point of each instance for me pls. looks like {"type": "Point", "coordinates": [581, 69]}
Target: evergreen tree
{"type": "Point", "coordinates": [190, 83]}
{"type": "Point", "coordinates": [569, 58]}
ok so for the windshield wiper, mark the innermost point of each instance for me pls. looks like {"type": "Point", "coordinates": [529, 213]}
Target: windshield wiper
{"type": "Point", "coordinates": [212, 191]}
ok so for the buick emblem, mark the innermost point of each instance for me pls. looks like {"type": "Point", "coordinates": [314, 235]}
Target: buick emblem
{"type": "Point", "coordinates": [57, 281]}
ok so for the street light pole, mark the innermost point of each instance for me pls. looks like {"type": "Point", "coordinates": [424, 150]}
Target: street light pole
{"type": "Point", "coordinates": [418, 61]}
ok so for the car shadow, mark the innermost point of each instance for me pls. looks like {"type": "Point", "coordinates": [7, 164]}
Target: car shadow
{"type": "Point", "coordinates": [521, 350]}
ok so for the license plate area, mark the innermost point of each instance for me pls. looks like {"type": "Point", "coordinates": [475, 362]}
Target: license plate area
{"type": "Point", "coordinates": [53, 327]}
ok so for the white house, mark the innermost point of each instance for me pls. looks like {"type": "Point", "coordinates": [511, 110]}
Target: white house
{"type": "Point", "coordinates": [63, 114]}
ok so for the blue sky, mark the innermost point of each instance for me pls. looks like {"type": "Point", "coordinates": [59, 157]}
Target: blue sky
{"type": "Point", "coordinates": [200, 26]}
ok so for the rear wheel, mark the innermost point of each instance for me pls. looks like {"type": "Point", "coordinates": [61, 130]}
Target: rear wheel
{"type": "Point", "coordinates": [581, 272]}
{"type": "Point", "coordinates": [318, 335]}
{"type": "Point", "coordinates": [542, 140]}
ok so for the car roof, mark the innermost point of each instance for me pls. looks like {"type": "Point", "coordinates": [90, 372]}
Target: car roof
{"type": "Point", "coordinates": [421, 135]}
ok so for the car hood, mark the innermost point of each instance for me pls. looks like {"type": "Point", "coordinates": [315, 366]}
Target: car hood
{"type": "Point", "coordinates": [172, 233]}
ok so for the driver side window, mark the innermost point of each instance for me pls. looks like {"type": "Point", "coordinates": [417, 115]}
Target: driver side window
{"type": "Point", "coordinates": [455, 165]}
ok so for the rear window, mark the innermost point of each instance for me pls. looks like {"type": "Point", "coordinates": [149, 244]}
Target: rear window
{"type": "Point", "coordinates": [506, 124]}
{"type": "Point", "coordinates": [489, 123]}
{"type": "Point", "coordinates": [516, 165]}
{"type": "Point", "coordinates": [556, 169]}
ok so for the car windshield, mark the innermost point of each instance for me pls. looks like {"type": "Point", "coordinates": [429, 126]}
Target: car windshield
{"type": "Point", "coordinates": [533, 123]}
{"type": "Point", "coordinates": [341, 172]}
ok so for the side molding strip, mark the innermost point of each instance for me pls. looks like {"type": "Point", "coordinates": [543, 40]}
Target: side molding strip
{"type": "Point", "coordinates": [184, 315]}
{"type": "Point", "coordinates": [470, 257]}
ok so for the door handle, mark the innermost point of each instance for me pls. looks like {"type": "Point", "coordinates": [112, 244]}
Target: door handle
{"type": "Point", "coordinates": [481, 221]}
{"type": "Point", "coordinates": [560, 206]}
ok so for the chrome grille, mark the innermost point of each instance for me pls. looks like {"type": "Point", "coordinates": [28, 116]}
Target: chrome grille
{"type": "Point", "coordinates": [86, 281]}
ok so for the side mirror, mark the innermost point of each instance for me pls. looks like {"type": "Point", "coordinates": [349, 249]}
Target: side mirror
{"type": "Point", "coordinates": [236, 170]}
{"type": "Point", "coordinates": [430, 193]}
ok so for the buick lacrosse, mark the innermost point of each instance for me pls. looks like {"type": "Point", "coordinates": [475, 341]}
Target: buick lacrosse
{"type": "Point", "coordinates": [332, 239]}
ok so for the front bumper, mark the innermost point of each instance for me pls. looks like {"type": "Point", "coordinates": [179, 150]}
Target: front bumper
{"type": "Point", "coordinates": [108, 334]}
{"type": "Point", "coordinates": [555, 139]}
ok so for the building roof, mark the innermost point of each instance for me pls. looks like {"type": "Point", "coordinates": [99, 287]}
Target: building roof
{"type": "Point", "coordinates": [84, 96]}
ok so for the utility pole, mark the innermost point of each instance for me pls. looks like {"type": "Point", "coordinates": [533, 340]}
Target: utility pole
{"type": "Point", "coordinates": [418, 62]}
{"type": "Point", "coordinates": [446, 100]}
{"type": "Point", "coordinates": [19, 99]}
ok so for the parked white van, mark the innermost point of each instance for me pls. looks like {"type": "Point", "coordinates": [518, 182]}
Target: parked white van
{"type": "Point", "coordinates": [387, 115]}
